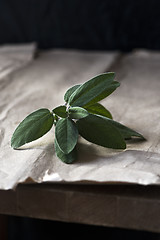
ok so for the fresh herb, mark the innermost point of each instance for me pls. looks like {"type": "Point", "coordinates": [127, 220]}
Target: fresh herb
{"type": "Point", "coordinates": [83, 115]}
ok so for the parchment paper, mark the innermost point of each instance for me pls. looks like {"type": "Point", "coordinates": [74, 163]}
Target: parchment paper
{"type": "Point", "coordinates": [43, 82]}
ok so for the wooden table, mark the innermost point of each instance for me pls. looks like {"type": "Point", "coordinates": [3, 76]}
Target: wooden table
{"type": "Point", "coordinates": [123, 206]}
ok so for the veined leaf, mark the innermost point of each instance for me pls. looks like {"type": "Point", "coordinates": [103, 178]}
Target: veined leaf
{"type": "Point", "coordinates": [66, 158]}
{"type": "Point", "coordinates": [126, 132]}
{"type": "Point", "coordinates": [32, 127]}
{"type": "Point", "coordinates": [66, 134]}
{"type": "Point", "coordinates": [77, 112]}
{"type": "Point", "coordinates": [108, 90]}
{"type": "Point", "coordinates": [97, 130]}
{"type": "Point", "coordinates": [93, 90]}
{"type": "Point", "coordinates": [98, 109]}
{"type": "Point", "coordinates": [69, 92]}
{"type": "Point", "coordinates": [60, 111]}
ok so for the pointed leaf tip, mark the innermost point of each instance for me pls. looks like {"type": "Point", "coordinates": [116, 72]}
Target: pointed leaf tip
{"type": "Point", "coordinates": [97, 130]}
{"type": "Point", "coordinates": [98, 109]}
{"type": "Point", "coordinates": [66, 158]}
{"type": "Point", "coordinates": [93, 90]}
{"type": "Point", "coordinates": [70, 91]}
{"type": "Point", "coordinates": [32, 127]}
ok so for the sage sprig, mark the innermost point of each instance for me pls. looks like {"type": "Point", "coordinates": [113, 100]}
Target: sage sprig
{"type": "Point", "coordinates": [83, 115]}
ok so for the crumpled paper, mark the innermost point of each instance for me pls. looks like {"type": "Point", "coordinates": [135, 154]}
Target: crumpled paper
{"type": "Point", "coordinates": [43, 81]}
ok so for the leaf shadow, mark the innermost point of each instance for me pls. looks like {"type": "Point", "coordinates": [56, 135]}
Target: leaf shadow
{"type": "Point", "coordinates": [89, 153]}
{"type": "Point", "coordinates": [86, 153]}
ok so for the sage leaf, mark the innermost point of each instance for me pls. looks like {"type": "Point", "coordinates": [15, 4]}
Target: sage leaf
{"type": "Point", "coordinates": [60, 111]}
{"type": "Point", "coordinates": [126, 132]}
{"type": "Point", "coordinates": [66, 134]}
{"type": "Point", "coordinates": [77, 112]}
{"type": "Point", "coordinates": [98, 109]}
{"type": "Point", "coordinates": [69, 92]}
{"type": "Point", "coordinates": [97, 130]}
{"type": "Point", "coordinates": [32, 127]}
{"type": "Point", "coordinates": [66, 158]}
{"type": "Point", "coordinates": [93, 90]}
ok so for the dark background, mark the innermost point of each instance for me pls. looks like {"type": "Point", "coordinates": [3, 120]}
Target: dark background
{"type": "Point", "coordinates": [36, 229]}
{"type": "Point", "coordinates": [92, 25]}
{"type": "Point", "coordinates": [89, 24]}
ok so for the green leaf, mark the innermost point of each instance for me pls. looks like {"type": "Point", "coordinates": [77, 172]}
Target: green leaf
{"type": "Point", "coordinates": [98, 109]}
{"type": "Point", "coordinates": [32, 127]}
{"type": "Point", "coordinates": [97, 130]}
{"type": "Point", "coordinates": [93, 90]}
{"type": "Point", "coordinates": [69, 92]}
{"type": "Point", "coordinates": [126, 132]}
{"type": "Point", "coordinates": [66, 158]}
{"type": "Point", "coordinates": [66, 134]}
{"type": "Point", "coordinates": [60, 111]}
{"type": "Point", "coordinates": [77, 112]}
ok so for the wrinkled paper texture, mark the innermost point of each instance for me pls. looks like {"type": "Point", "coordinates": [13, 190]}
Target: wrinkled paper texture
{"type": "Point", "coordinates": [27, 84]}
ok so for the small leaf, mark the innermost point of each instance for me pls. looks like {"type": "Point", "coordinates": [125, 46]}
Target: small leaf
{"type": "Point", "coordinates": [101, 132]}
{"type": "Point", "coordinates": [32, 127]}
{"type": "Point", "coordinates": [66, 158]}
{"type": "Point", "coordinates": [69, 92]}
{"type": "Point", "coordinates": [60, 111]}
{"type": "Point", "coordinates": [77, 112]}
{"type": "Point", "coordinates": [66, 134]}
{"type": "Point", "coordinates": [98, 109]}
{"type": "Point", "coordinates": [126, 132]}
{"type": "Point", "coordinates": [93, 90]}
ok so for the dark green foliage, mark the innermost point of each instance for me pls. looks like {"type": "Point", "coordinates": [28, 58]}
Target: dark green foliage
{"type": "Point", "coordinates": [98, 109]}
{"type": "Point", "coordinates": [82, 114]}
{"type": "Point", "coordinates": [66, 135]}
{"type": "Point", "coordinates": [32, 127]}
{"type": "Point", "coordinates": [66, 158]}
{"type": "Point", "coordinates": [60, 111]}
{"type": "Point", "coordinates": [100, 131]}
{"type": "Point", "coordinates": [69, 92]}
{"type": "Point", "coordinates": [93, 90]}
{"type": "Point", "coordinates": [77, 113]}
